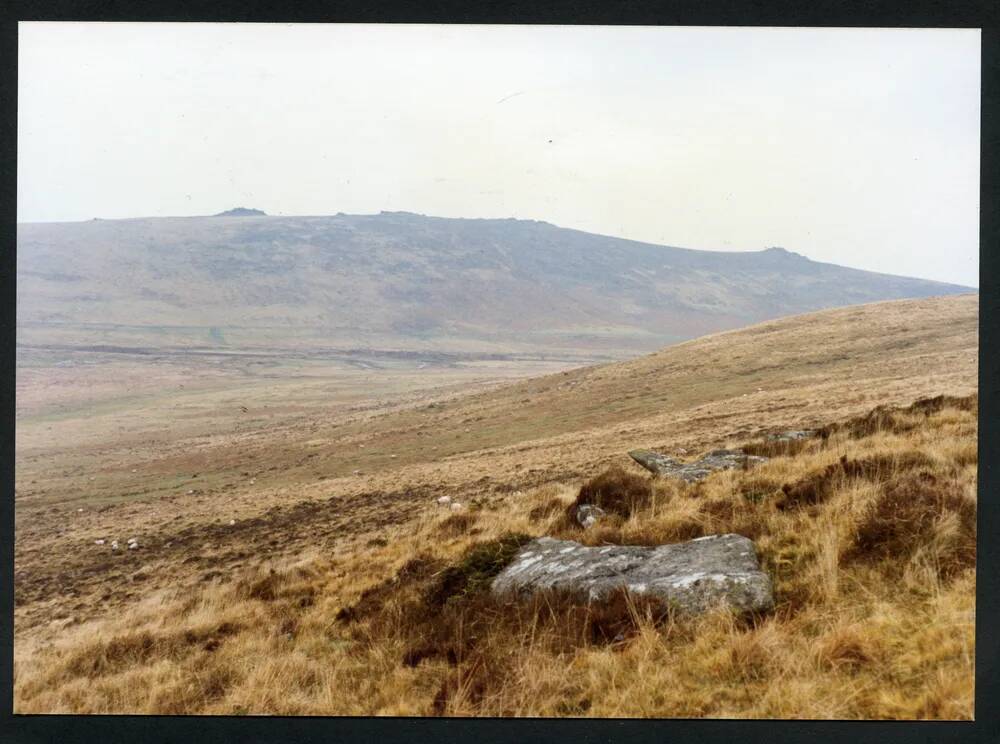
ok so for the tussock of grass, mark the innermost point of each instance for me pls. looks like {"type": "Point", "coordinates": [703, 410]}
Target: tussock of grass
{"type": "Point", "coordinates": [616, 491]}
{"type": "Point", "coordinates": [818, 486]}
{"type": "Point", "coordinates": [874, 581]}
{"type": "Point", "coordinates": [777, 447]}
{"type": "Point", "coordinates": [546, 510]}
{"type": "Point", "coordinates": [456, 524]}
{"type": "Point", "coordinates": [899, 420]}
{"type": "Point", "coordinates": [908, 514]}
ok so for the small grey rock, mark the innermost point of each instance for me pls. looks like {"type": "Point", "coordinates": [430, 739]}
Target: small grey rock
{"type": "Point", "coordinates": [587, 515]}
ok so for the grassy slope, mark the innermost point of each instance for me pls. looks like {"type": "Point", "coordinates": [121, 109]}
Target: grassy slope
{"type": "Point", "coordinates": [559, 428]}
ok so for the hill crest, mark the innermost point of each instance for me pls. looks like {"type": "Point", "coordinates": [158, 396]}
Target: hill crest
{"type": "Point", "coordinates": [401, 280]}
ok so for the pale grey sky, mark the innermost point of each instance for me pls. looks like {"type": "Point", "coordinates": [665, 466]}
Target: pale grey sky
{"type": "Point", "coordinates": [858, 147]}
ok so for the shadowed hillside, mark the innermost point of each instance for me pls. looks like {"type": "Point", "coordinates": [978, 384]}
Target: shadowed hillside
{"type": "Point", "coordinates": [400, 280]}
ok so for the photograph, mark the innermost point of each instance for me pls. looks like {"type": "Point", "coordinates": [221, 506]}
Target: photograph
{"type": "Point", "coordinates": [416, 370]}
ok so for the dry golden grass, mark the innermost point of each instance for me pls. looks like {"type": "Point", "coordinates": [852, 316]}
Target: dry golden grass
{"type": "Point", "coordinates": [869, 533]}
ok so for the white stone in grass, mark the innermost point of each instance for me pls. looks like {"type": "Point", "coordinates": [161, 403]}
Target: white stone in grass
{"type": "Point", "coordinates": [444, 500]}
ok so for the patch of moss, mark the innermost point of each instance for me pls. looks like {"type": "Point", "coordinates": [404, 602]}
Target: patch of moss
{"type": "Point", "coordinates": [479, 566]}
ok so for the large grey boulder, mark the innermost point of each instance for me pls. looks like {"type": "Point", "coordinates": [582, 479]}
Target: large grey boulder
{"type": "Point", "coordinates": [691, 577]}
{"type": "Point", "coordinates": [691, 472]}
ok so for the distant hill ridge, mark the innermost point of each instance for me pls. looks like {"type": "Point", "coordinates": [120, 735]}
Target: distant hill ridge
{"type": "Point", "coordinates": [397, 280]}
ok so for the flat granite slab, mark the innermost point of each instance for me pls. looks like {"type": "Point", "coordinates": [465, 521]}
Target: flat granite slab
{"type": "Point", "coordinates": [692, 472]}
{"type": "Point", "coordinates": [692, 576]}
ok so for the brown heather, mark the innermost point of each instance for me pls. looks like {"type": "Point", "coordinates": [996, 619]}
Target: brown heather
{"type": "Point", "coordinates": [874, 586]}
{"type": "Point", "coordinates": [337, 593]}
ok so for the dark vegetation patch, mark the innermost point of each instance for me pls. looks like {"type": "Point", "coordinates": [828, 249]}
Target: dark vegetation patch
{"type": "Point", "coordinates": [938, 403]}
{"type": "Point", "coordinates": [131, 649]}
{"type": "Point", "coordinates": [477, 637]}
{"type": "Point", "coordinates": [903, 517]}
{"type": "Point", "coordinates": [122, 651]}
{"type": "Point", "coordinates": [880, 418]}
{"type": "Point", "coordinates": [264, 589]}
{"type": "Point", "coordinates": [719, 510]}
{"type": "Point", "coordinates": [415, 572]}
{"type": "Point", "coordinates": [448, 615]}
{"type": "Point", "coordinates": [431, 582]}
{"type": "Point", "coordinates": [616, 491]}
{"type": "Point", "coordinates": [291, 585]}
{"type": "Point", "coordinates": [756, 489]}
{"type": "Point", "coordinates": [848, 652]}
{"type": "Point", "coordinates": [480, 565]}
{"type": "Point", "coordinates": [817, 487]}
{"type": "Point", "coordinates": [967, 457]}
{"type": "Point", "coordinates": [897, 419]}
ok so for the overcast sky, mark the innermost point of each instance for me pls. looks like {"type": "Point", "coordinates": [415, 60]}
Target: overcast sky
{"type": "Point", "coordinates": [858, 147]}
